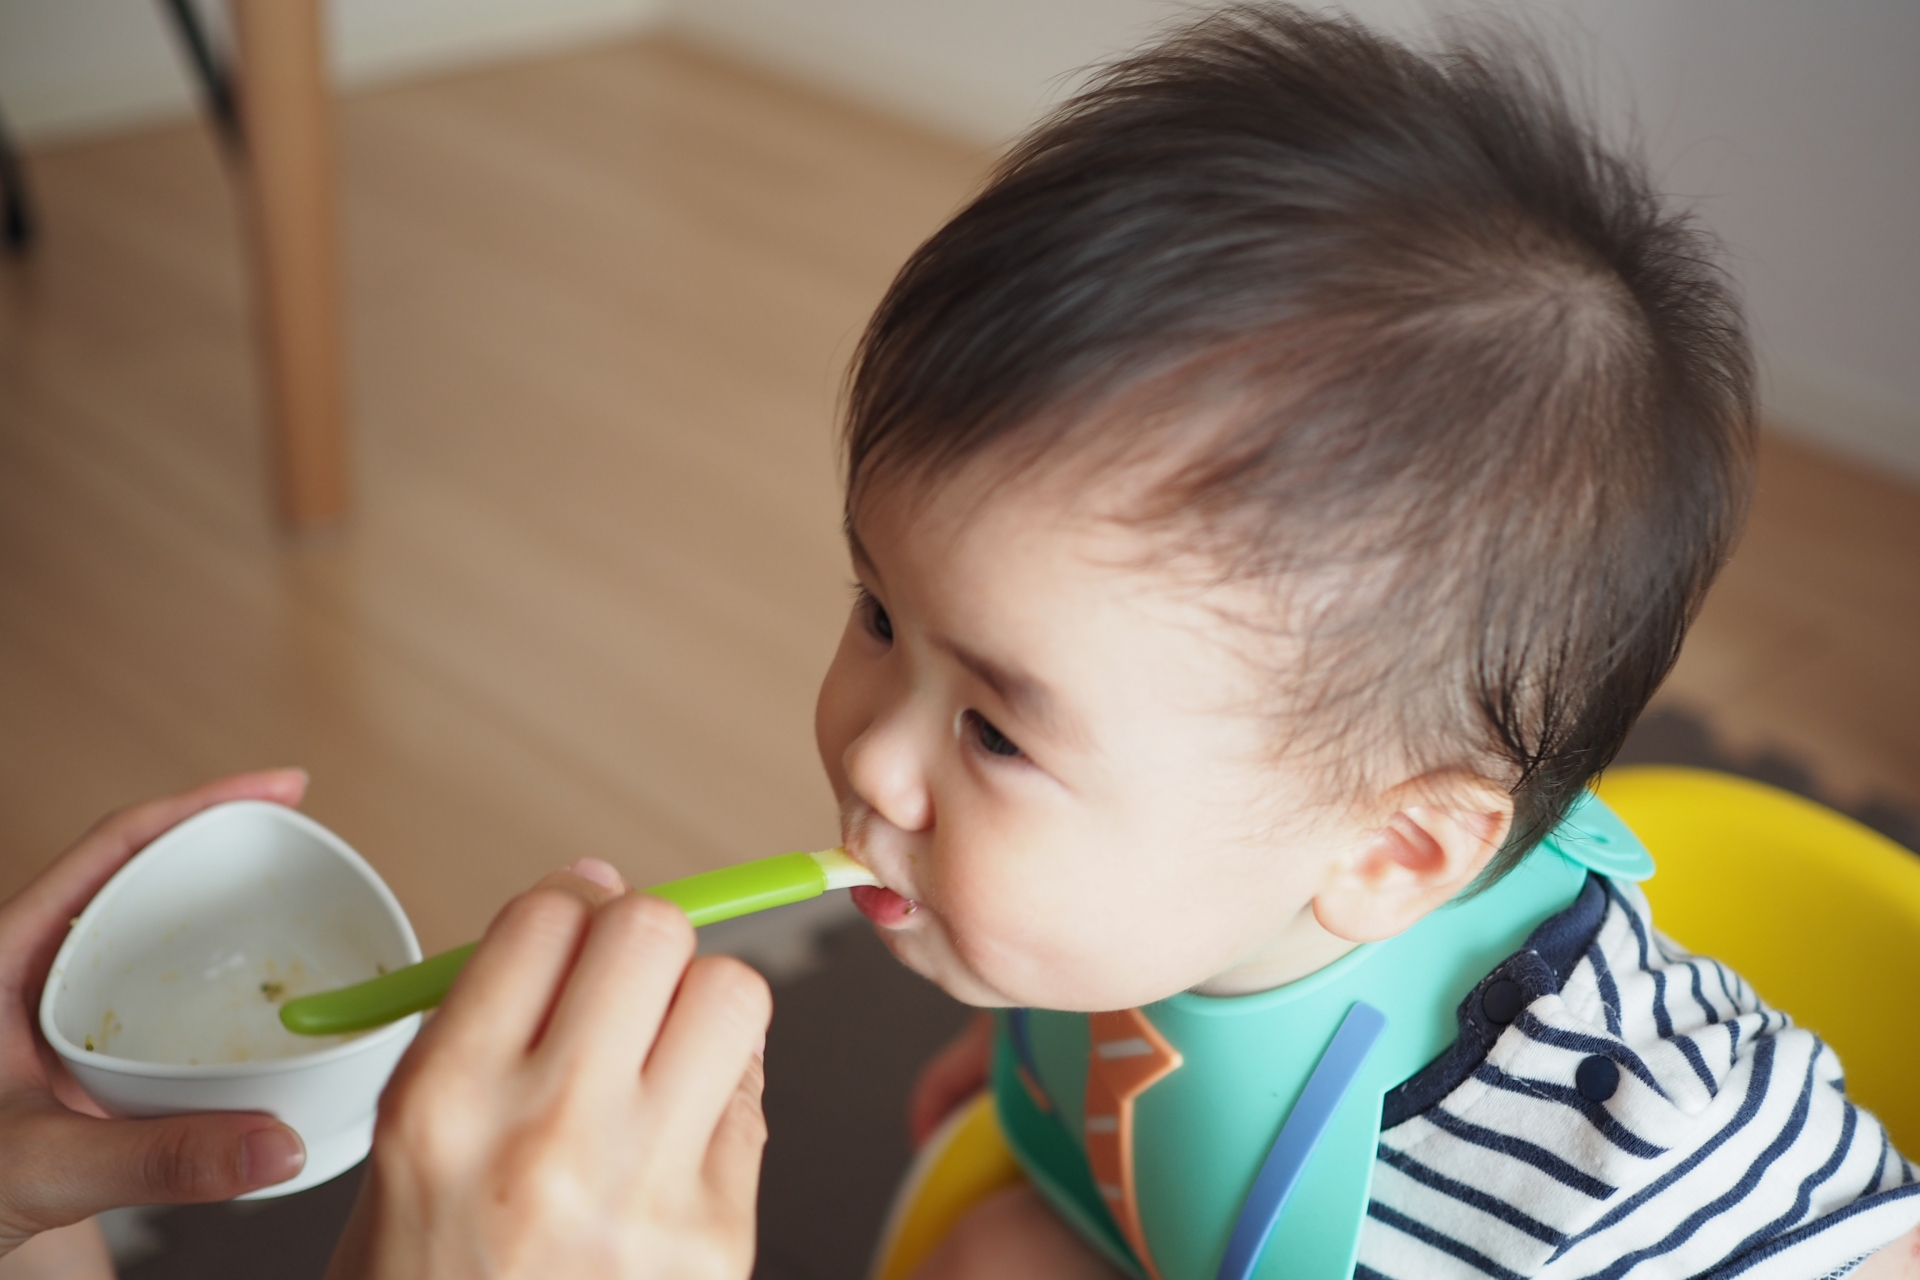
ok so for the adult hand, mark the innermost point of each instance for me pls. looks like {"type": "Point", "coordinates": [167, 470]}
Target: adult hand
{"type": "Point", "coordinates": [61, 1160]}
{"type": "Point", "coordinates": [585, 1104]}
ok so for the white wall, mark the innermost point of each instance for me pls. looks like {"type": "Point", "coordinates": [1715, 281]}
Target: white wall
{"type": "Point", "coordinates": [977, 69]}
{"type": "Point", "coordinates": [1796, 129]}
{"type": "Point", "coordinates": [1793, 126]}
{"type": "Point", "coordinates": [70, 67]}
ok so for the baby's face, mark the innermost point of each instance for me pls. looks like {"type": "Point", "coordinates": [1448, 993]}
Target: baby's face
{"type": "Point", "coordinates": [1060, 763]}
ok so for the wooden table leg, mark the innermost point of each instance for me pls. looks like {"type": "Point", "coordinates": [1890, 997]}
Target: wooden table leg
{"type": "Point", "coordinates": [288, 177]}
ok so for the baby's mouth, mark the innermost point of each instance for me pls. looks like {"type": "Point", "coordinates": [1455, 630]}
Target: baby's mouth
{"type": "Point", "coordinates": [883, 906]}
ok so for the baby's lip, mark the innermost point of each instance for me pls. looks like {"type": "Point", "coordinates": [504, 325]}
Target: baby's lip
{"type": "Point", "coordinates": [883, 906]}
{"type": "Point", "coordinates": [882, 903]}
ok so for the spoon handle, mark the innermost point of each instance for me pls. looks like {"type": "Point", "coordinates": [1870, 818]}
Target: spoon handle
{"type": "Point", "coordinates": [707, 898]}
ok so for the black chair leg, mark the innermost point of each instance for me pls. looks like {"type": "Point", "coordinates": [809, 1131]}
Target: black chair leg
{"type": "Point", "coordinates": [216, 85]}
{"type": "Point", "coordinates": [18, 215]}
{"type": "Point", "coordinates": [18, 224]}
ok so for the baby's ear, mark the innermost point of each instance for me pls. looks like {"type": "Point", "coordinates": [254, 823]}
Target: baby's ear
{"type": "Point", "coordinates": [1440, 831]}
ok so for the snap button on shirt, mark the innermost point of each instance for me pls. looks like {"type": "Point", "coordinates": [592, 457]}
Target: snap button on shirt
{"type": "Point", "coordinates": [1502, 1001]}
{"type": "Point", "coordinates": [1596, 1078]}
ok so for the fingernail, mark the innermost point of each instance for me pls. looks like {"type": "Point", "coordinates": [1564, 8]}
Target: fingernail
{"type": "Point", "coordinates": [272, 1155]}
{"type": "Point", "coordinates": [598, 872]}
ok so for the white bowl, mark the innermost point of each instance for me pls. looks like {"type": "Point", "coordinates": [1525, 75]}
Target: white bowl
{"type": "Point", "coordinates": [165, 996]}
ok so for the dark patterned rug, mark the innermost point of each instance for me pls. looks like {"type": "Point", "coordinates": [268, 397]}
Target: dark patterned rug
{"type": "Point", "coordinates": [837, 1116]}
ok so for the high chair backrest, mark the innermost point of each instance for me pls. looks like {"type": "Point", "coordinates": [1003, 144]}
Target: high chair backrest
{"type": "Point", "coordinates": [1820, 914]}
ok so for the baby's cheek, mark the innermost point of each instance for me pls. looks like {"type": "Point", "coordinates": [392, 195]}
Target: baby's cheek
{"type": "Point", "coordinates": [1046, 956]}
{"type": "Point", "coordinates": [1003, 941]}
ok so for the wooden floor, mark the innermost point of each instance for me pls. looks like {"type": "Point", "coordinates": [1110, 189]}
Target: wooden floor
{"type": "Point", "coordinates": [1810, 642]}
{"type": "Point", "coordinates": [601, 304]}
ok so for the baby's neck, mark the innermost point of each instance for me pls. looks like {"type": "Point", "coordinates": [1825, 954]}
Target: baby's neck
{"type": "Point", "coordinates": [1300, 948]}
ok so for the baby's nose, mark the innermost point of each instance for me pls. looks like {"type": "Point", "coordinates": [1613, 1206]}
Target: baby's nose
{"type": "Point", "coordinates": [889, 778]}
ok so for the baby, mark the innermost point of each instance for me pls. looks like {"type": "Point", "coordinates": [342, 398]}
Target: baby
{"type": "Point", "coordinates": [1273, 499]}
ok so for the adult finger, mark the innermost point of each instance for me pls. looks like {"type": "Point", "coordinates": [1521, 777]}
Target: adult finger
{"type": "Point", "coordinates": [501, 999]}
{"type": "Point", "coordinates": [718, 1021]}
{"type": "Point", "coordinates": [41, 911]}
{"type": "Point", "coordinates": [84, 1165]}
{"type": "Point", "coordinates": [617, 996]}
{"type": "Point", "coordinates": [732, 1168]}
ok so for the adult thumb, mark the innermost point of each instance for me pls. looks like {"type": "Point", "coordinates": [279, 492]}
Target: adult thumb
{"type": "Point", "coordinates": [91, 1164]}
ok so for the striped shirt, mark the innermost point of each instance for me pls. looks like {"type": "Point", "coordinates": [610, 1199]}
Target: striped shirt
{"type": "Point", "coordinates": [1615, 1107]}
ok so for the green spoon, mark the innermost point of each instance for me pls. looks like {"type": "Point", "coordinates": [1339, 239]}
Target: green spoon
{"type": "Point", "coordinates": [707, 898]}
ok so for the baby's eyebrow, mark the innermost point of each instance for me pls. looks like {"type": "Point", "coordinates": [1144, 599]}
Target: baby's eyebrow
{"type": "Point", "coordinates": [857, 550]}
{"type": "Point", "coordinates": [862, 562]}
{"type": "Point", "coordinates": [1031, 699]}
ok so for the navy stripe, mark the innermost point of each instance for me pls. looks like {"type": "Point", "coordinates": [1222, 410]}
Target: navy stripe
{"type": "Point", "coordinates": [1749, 1107]}
{"type": "Point", "coordinates": [1640, 937]}
{"type": "Point", "coordinates": [1879, 1169]}
{"type": "Point", "coordinates": [1609, 993]}
{"type": "Point", "coordinates": [1669, 951]}
{"type": "Point", "coordinates": [1567, 1096]}
{"type": "Point", "coordinates": [1698, 1061]}
{"type": "Point", "coordinates": [1522, 1150]}
{"type": "Point", "coordinates": [1743, 994]}
{"type": "Point", "coordinates": [1700, 994]}
{"type": "Point", "coordinates": [1726, 1199]}
{"type": "Point", "coordinates": [1804, 1197]}
{"type": "Point", "coordinates": [1733, 1041]}
{"type": "Point", "coordinates": [1492, 1206]}
{"type": "Point", "coordinates": [1576, 1042]}
{"type": "Point", "coordinates": [1661, 1021]}
{"type": "Point", "coordinates": [1361, 1271]}
{"type": "Point", "coordinates": [1733, 1001]}
{"type": "Point", "coordinates": [1444, 1243]}
{"type": "Point", "coordinates": [1780, 1244]}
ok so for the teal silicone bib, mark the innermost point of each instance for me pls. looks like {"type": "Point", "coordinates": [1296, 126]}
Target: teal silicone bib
{"type": "Point", "coordinates": [1253, 1157]}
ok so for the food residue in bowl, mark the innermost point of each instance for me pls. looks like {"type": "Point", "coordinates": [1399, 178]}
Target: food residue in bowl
{"type": "Point", "coordinates": [221, 1009]}
{"type": "Point", "coordinates": [109, 1027]}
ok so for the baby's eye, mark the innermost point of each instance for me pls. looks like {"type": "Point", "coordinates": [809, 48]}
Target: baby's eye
{"type": "Point", "coordinates": [875, 614]}
{"type": "Point", "coordinates": [991, 739]}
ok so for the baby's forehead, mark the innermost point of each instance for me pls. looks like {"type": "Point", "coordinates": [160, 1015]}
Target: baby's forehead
{"type": "Point", "coordinates": [1084, 517]}
{"type": "Point", "coordinates": [1043, 561]}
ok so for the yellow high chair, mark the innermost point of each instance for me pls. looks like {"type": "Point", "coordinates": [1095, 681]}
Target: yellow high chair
{"type": "Point", "coordinates": [966, 1161]}
{"type": "Point", "coordinates": [1820, 914]}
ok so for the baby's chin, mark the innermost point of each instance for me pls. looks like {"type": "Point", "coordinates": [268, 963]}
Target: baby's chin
{"type": "Point", "coordinates": [924, 947]}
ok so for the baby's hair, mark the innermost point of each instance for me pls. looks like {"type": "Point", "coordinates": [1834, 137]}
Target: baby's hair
{"type": "Point", "coordinates": [1404, 334]}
